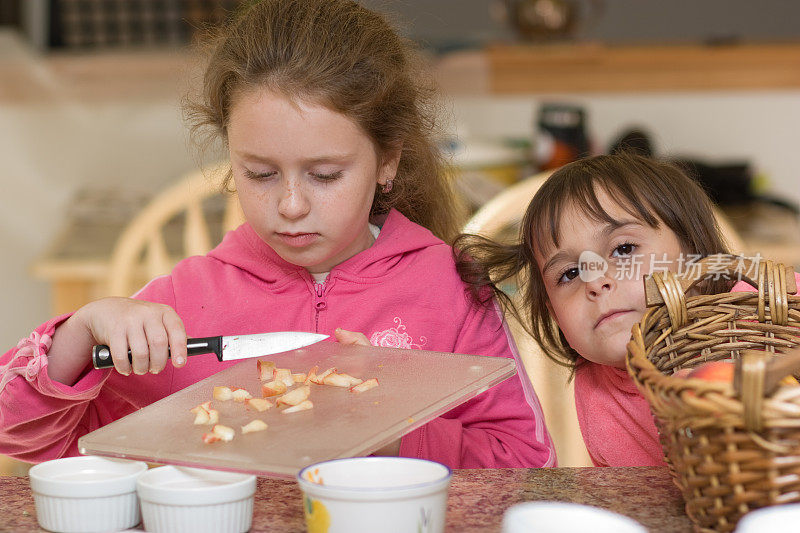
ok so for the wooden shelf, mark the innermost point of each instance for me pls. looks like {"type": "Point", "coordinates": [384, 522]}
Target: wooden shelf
{"type": "Point", "coordinates": [517, 69]}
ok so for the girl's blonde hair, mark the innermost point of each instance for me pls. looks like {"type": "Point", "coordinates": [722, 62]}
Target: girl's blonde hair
{"type": "Point", "coordinates": [649, 190]}
{"type": "Point", "coordinates": [349, 59]}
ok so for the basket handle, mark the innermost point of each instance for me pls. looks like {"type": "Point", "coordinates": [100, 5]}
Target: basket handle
{"type": "Point", "coordinates": [757, 375]}
{"type": "Point", "coordinates": [773, 282]}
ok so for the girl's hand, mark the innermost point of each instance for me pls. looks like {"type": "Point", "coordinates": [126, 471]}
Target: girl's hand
{"type": "Point", "coordinates": [351, 337]}
{"type": "Point", "coordinates": [147, 329]}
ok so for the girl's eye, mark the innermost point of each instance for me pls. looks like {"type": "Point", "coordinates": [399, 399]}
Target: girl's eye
{"type": "Point", "coordinates": [259, 175]}
{"type": "Point", "coordinates": [623, 249]}
{"type": "Point", "coordinates": [568, 275]}
{"type": "Point", "coordinates": [327, 177]}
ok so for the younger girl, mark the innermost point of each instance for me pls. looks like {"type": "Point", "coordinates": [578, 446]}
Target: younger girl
{"type": "Point", "coordinates": [588, 237]}
{"type": "Point", "coordinates": [346, 205]}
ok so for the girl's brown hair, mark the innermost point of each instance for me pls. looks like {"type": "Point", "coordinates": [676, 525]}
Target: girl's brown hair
{"type": "Point", "coordinates": [349, 59]}
{"type": "Point", "coordinates": [650, 190]}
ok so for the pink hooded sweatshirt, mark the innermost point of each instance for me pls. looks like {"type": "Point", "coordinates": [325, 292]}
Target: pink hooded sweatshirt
{"type": "Point", "coordinates": [615, 419]}
{"type": "Point", "coordinates": [402, 292]}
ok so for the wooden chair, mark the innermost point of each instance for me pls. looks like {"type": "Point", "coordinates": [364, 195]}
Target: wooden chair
{"type": "Point", "coordinates": [499, 218]}
{"type": "Point", "coordinates": [188, 218]}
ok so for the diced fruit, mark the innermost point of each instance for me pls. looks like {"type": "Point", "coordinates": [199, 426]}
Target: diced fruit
{"type": "Point", "coordinates": [255, 425]}
{"type": "Point", "coordinates": [284, 375]}
{"type": "Point", "coordinates": [365, 386]}
{"type": "Point", "coordinates": [208, 438]}
{"type": "Point", "coordinates": [302, 406]}
{"type": "Point", "coordinates": [204, 415]}
{"type": "Point", "coordinates": [320, 378]}
{"type": "Point", "coordinates": [205, 405]}
{"type": "Point", "coordinates": [265, 369]}
{"type": "Point", "coordinates": [259, 404]}
{"type": "Point", "coordinates": [219, 432]}
{"type": "Point", "coordinates": [312, 375]}
{"type": "Point", "coordinates": [299, 377]}
{"type": "Point", "coordinates": [273, 388]}
{"type": "Point", "coordinates": [337, 380]}
{"type": "Point", "coordinates": [341, 380]}
{"type": "Point", "coordinates": [222, 393]}
{"type": "Point", "coordinates": [225, 433]}
{"type": "Point", "coordinates": [240, 395]}
{"type": "Point", "coordinates": [294, 397]}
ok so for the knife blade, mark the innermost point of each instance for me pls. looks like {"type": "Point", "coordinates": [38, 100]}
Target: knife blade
{"type": "Point", "coordinates": [229, 348]}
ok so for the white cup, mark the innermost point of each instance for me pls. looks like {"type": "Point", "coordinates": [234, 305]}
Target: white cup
{"type": "Point", "coordinates": [369, 494]}
{"type": "Point", "coordinates": [86, 494]}
{"type": "Point", "coordinates": [560, 517]}
{"type": "Point", "coordinates": [773, 519]}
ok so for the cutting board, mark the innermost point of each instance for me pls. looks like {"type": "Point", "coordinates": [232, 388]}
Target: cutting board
{"type": "Point", "coordinates": [415, 387]}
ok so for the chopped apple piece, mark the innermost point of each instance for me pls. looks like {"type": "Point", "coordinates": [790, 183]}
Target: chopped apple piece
{"type": "Point", "coordinates": [222, 393]}
{"type": "Point", "coordinates": [240, 395]}
{"type": "Point", "coordinates": [273, 388]}
{"type": "Point", "coordinates": [299, 377]}
{"type": "Point", "coordinates": [353, 380]}
{"type": "Point", "coordinates": [205, 406]}
{"type": "Point", "coordinates": [208, 438]}
{"type": "Point", "coordinates": [320, 378]}
{"type": "Point", "coordinates": [204, 415]}
{"type": "Point", "coordinates": [219, 432]}
{"type": "Point", "coordinates": [255, 425]}
{"type": "Point", "coordinates": [259, 404]}
{"type": "Point", "coordinates": [265, 369]}
{"type": "Point", "coordinates": [225, 433]}
{"type": "Point", "coordinates": [284, 375]}
{"type": "Point", "coordinates": [311, 377]}
{"type": "Point", "coordinates": [302, 406]}
{"type": "Point", "coordinates": [294, 397]}
{"type": "Point", "coordinates": [365, 386]}
{"type": "Point", "coordinates": [337, 380]}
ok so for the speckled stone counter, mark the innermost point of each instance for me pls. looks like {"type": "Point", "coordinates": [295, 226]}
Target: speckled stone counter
{"type": "Point", "coordinates": [477, 500]}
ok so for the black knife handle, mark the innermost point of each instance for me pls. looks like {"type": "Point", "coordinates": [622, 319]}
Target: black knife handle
{"type": "Point", "coordinates": [101, 354]}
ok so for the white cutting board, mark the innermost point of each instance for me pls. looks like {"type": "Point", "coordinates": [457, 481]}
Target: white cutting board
{"type": "Point", "coordinates": [415, 387]}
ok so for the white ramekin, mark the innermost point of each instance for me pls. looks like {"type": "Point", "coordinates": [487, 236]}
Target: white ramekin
{"type": "Point", "coordinates": [177, 499]}
{"type": "Point", "coordinates": [369, 494]}
{"type": "Point", "coordinates": [565, 517]}
{"type": "Point", "coordinates": [86, 494]}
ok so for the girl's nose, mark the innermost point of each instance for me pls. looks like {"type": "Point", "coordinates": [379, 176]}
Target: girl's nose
{"type": "Point", "coordinates": [600, 286]}
{"type": "Point", "coordinates": [293, 203]}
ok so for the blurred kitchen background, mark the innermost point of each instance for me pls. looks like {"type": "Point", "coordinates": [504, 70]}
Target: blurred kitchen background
{"type": "Point", "coordinates": [91, 128]}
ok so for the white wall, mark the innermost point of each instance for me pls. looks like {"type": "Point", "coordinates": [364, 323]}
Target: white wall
{"type": "Point", "coordinates": [760, 127]}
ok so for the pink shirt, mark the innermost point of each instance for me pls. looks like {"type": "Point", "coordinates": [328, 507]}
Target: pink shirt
{"type": "Point", "coordinates": [402, 292]}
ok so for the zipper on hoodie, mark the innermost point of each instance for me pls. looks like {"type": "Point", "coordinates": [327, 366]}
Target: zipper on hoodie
{"type": "Point", "coordinates": [319, 303]}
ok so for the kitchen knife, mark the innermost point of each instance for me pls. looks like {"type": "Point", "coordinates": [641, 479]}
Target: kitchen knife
{"type": "Point", "coordinates": [229, 348]}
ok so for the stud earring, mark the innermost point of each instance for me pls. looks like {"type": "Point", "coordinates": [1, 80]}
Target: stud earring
{"type": "Point", "coordinates": [387, 186]}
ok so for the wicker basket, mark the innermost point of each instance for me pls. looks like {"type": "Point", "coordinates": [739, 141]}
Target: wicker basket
{"type": "Point", "coordinates": [731, 447]}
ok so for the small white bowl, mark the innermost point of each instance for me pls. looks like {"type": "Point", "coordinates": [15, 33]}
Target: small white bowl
{"type": "Point", "coordinates": [774, 519]}
{"type": "Point", "coordinates": [562, 517]}
{"type": "Point", "coordinates": [86, 494]}
{"type": "Point", "coordinates": [369, 494]}
{"type": "Point", "coordinates": [176, 499]}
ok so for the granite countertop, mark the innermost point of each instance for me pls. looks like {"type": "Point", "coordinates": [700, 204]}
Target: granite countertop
{"type": "Point", "coordinates": [645, 494]}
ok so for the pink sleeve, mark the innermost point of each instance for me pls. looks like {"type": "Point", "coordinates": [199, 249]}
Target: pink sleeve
{"type": "Point", "coordinates": [40, 418]}
{"type": "Point", "coordinates": [615, 419]}
{"type": "Point", "coordinates": [502, 427]}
